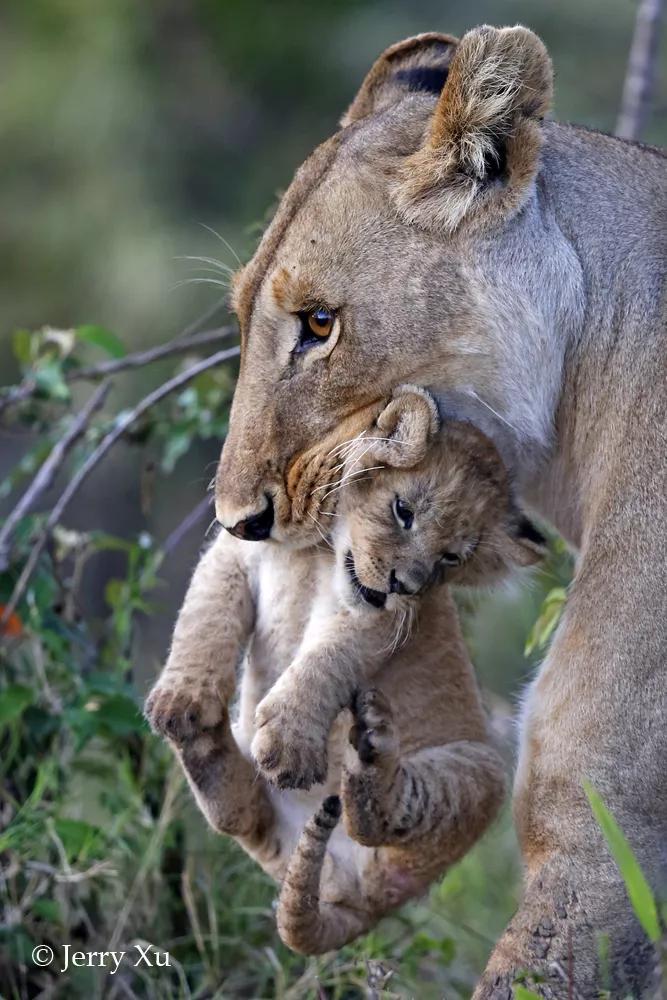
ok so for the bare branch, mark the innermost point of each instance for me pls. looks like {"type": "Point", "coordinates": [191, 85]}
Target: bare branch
{"type": "Point", "coordinates": [174, 539]}
{"type": "Point", "coordinates": [641, 72]}
{"type": "Point", "coordinates": [49, 468]}
{"type": "Point", "coordinates": [141, 358]}
{"type": "Point", "coordinates": [96, 457]}
{"type": "Point", "coordinates": [179, 345]}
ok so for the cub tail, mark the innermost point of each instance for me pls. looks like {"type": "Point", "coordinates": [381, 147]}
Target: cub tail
{"type": "Point", "coordinates": [305, 924]}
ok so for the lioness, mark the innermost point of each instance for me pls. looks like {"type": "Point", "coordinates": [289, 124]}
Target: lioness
{"type": "Point", "coordinates": [449, 235]}
{"type": "Point", "coordinates": [421, 782]}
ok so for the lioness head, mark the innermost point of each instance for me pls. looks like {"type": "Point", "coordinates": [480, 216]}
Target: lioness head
{"type": "Point", "coordinates": [423, 506]}
{"type": "Point", "coordinates": [403, 250]}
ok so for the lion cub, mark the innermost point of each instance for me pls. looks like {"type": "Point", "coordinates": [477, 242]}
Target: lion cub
{"type": "Point", "coordinates": [408, 761]}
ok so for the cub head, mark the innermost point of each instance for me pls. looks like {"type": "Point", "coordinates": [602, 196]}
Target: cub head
{"type": "Point", "coordinates": [434, 506]}
{"type": "Point", "coordinates": [399, 253]}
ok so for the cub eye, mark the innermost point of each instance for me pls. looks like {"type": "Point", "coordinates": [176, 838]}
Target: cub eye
{"type": "Point", "coordinates": [403, 513]}
{"type": "Point", "coordinates": [316, 325]}
{"type": "Point", "coordinates": [450, 559]}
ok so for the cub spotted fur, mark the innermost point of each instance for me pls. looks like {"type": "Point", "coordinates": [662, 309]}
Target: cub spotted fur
{"type": "Point", "coordinates": [409, 758]}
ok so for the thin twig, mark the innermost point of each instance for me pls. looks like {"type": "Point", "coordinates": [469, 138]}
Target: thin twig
{"type": "Point", "coordinates": [49, 468]}
{"type": "Point", "coordinates": [179, 345]}
{"type": "Point", "coordinates": [96, 457]}
{"type": "Point", "coordinates": [174, 539]}
{"type": "Point", "coordinates": [641, 72]}
{"type": "Point", "coordinates": [141, 358]}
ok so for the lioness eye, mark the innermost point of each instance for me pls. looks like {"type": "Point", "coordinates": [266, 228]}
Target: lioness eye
{"type": "Point", "coordinates": [403, 513]}
{"type": "Point", "coordinates": [316, 325]}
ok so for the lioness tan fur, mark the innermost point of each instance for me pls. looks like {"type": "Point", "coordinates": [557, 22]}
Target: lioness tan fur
{"type": "Point", "coordinates": [421, 781]}
{"type": "Point", "coordinates": [516, 266]}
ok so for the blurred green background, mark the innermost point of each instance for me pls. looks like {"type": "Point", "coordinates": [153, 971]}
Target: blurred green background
{"type": "Point", "coordinates": [126, 130]}
{"type": "Point", "coordinates": [125, 125]}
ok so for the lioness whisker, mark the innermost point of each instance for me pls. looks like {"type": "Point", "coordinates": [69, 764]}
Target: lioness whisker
{"type": "Point", "coordinates": [344, 444]}
{"type": "Point", "coordinates": [495, 412]}
{"type": "Point", "coordinates": [217, 264]}
{"type": "Point", "coordinates": [224, 242]}
{"type": "Point", "coordinates": [319, 530]}
{"type": "Point", "coordinates": [201, 281]}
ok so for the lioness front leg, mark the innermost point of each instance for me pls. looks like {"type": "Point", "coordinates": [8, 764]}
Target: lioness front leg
{"type": "Point", "coordinates": [199, 678]}
{"type": "Point", "coordinates": [596, 712]}
{"type": "Point", "coordinates": [444, 794]}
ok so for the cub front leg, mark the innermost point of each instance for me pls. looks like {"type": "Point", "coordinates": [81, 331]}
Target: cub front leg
{"type": "Point", "coordinates": [446, 795]}
{"type": "Point", "coordinates": [212, 628]}
{"type": "Point", "coordinates": [294, 720]}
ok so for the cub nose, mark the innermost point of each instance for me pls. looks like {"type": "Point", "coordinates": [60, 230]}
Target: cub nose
{"type": "Point", "coordinates": [255, 528]}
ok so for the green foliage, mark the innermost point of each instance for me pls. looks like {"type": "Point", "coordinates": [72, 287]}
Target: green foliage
{"type": "Point", "coordinates": [549, 616]}
{"type": "Point", "coordinates": [105, 339]}
{"type": "Point", "coordinates": [102, 842]}
{"type": "Point", "coordinates": [639, 891]}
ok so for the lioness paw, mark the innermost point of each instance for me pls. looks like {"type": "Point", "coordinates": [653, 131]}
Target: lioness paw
{"type": "Point", "coordinates": [289, 752]}
{"type": "Point", "coordinates": [182, 714]}
{"type": "Point", "coordinates": [373, 734]}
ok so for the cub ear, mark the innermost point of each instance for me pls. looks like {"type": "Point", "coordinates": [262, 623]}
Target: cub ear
{"type": "Point", "coordinates": [405, 428]}
{"type": "Point", "coordinates": [420, 63]}
{"type": "Point", "coordinates": [529, 546]}
{"type": "Point", "coordinates": [485, 138]}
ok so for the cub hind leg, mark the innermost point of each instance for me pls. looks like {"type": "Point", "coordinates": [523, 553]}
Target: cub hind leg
{"type": "Point", "coordinates": [438, 799]}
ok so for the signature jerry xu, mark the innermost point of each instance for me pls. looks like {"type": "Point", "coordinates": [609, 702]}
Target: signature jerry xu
{"type": "Point", "coordinates": [143, 955]}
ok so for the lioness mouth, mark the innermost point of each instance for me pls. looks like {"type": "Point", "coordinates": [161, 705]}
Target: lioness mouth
{"type": "Point", "coordinates": [376, 598]}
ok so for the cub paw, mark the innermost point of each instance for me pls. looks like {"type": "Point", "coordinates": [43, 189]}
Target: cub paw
{"type": "Point", "coordinates": [373, 734]}
{"type": "Point", "coordinates": [182, 714]}
{"type": "Point", "coordinates": [288, 754]}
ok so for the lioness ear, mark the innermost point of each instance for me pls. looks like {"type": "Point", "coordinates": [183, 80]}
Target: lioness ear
{"type": "Point", "coordinates": [484, 143]}
{"type": "Point", "coordinates": [404, 428]}
{"type": "Point", "coordinates": [420, 63]}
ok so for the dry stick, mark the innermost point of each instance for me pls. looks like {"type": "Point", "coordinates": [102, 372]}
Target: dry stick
{"type": "Point", "coordinates": [47, 471]}
{"type": "Point", "coordinates": [96, 457]}
{"type": "Point", "coordinates": [174, 539]}
{"type": "Point", "coordinates": [180, 345]}
{"type": "Point", "coordinates": [641, 72]}
{"type": "Point", "coordinates": [141, 358]}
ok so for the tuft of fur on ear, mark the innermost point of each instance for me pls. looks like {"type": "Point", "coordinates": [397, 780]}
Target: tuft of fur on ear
{"type": "Point", "coordinates": [529, 546]}
{"type": "Point", "coordinates": [485, 138]}
{"type": "Point", "coordinates": [405, 428]}
{"type": "Point", "coordinates": [420, 63]}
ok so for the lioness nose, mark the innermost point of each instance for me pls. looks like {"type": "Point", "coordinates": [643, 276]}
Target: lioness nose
{"type": "Point", "coordinates": [255, 528]}
{"type": "Point", "coordinates": [396, 586]}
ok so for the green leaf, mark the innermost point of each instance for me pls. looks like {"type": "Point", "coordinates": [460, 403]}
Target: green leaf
{"type": "Point", "coordinates": [22, 344]}
{"type": "Point", "coordinates": [77, 836]}
{"type": "Point", "coordinates": [50, 382]}
{"type": "Point", "coordinates": [47, 909]}
{"type": "Point", "coordinates": [100, 541]}
{"type": "Point", "coordinates": [544, 627]}
{"type": "Point", "coordinates": [17, 944]}
{"type": "Point", "coordinates": [521, 993]}
{"type": "Point", "coordinates": [639, 891]}
{"type": "Point", "coordinates": [105, 339]}
{"type": "Point", "coordinates": [13, 702]}
{"type": "Point", "coordinates": [119, 714]}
